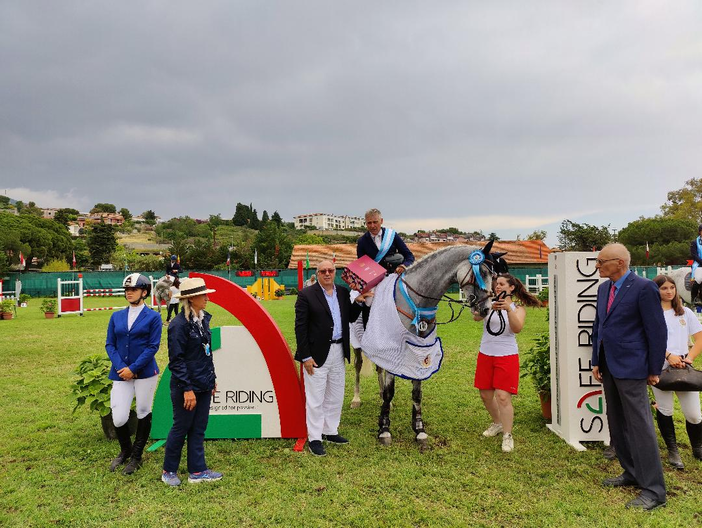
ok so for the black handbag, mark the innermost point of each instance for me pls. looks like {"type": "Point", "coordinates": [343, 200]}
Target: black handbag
{"type": "Point", "coordinates": [680, 379]}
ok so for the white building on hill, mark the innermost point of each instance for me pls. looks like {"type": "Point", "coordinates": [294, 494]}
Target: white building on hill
{"type": "Point", "coordinates": [328, 221]}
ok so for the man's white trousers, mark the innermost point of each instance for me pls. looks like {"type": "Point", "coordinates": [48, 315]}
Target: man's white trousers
{"type": "Point", "coordinates": [324, 392]}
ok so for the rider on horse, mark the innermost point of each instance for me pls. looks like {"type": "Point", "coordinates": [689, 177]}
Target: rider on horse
{"type": "Point", "coordinates": [384, 246]}
{"type": "Point", "coordinates": [696, 254]}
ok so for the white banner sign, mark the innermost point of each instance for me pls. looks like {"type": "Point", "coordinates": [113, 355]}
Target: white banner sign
{"type": "Point", "coordinates": [577, 399]}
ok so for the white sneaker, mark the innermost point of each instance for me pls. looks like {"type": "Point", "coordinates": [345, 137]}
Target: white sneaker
{"type": "Point", "coordinates": [493, 430]}
{"type": "Point", "coordinates": [507, 443]}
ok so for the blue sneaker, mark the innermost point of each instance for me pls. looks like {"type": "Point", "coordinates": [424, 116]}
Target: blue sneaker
{"type": "Point", "coordinates": [170, 478]}
{"type": "Point", "coordinates": [204, 476]}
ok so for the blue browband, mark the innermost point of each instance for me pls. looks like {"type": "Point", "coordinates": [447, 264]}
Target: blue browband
{"type": "Point", "coordinates": [419, 313]}
{"type": "Point", "coordinates": [476, 258]}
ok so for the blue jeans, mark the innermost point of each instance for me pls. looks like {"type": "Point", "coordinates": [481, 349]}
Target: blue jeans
{"type": "Point", "coordinates": [190, 424]}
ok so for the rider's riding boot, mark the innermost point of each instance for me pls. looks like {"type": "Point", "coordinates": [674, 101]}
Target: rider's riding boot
{"type": "Point", "coordinates": [142, 435]}
{"type": "Point", "coordinates": [694, 292]}
{"type": "Point", "coordinates": [694, 431]}
{"type": "Point", "coordinates": [667, 428]}
{"type": "Point", "coordinates": [125, 444]}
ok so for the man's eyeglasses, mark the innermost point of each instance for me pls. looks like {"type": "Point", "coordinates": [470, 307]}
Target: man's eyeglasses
{"type": "Point", "coordinates": [602, 261]}
{"type": "Point", "coordinates": [325, 271]}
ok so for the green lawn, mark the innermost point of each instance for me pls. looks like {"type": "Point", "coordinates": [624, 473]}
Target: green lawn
{"type": "Point", "coordinates": [53, 465]}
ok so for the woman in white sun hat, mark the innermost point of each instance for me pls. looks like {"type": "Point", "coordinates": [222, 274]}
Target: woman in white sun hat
{"type": "Point", "coordinates": [192, 384]}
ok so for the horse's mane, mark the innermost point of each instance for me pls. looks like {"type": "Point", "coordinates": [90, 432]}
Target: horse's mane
{"type": "Point", "coordinates": [430, 257]}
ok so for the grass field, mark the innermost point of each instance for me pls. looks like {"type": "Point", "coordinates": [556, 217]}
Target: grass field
{"type": "Point", "coordinates": [53, 465]}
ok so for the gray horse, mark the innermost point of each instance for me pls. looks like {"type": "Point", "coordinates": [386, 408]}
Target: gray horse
{"type": "Point", "coordinates": [681, 276]}
{"type": "Point", "coordinates": [427, 281]}
{"type": "Point", "coordinates": [162, 291]}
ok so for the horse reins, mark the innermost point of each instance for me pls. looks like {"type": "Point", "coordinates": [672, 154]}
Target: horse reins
{"type": "Point", "coordinates": [503, 324]}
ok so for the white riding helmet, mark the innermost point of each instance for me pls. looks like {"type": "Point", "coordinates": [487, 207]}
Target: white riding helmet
{"type": "Point", "coordinates": [137, 280]}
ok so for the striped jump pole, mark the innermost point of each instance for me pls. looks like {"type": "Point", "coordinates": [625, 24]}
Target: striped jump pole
{"type": "Point", "coordinates": [111, 292]}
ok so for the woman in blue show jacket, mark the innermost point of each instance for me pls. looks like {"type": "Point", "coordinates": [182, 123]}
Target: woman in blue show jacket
{"type": "Point", "coordinates": [193, 382]}
{"type": "Point", "coordinates": [133, 338]}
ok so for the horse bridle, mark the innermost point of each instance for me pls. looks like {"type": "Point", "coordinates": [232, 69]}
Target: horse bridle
{"type": "Point", "coordinates": [473, 300]}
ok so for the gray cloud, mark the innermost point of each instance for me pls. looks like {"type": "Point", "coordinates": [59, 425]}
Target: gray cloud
{"type": "Point", "coordinates": [427, 110]}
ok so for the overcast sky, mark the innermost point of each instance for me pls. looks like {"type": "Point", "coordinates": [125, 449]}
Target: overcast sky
{"type": "Point", "coordinates": [493, 116]}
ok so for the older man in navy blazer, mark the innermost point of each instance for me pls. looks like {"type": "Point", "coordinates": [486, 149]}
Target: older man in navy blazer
{"type": "Point", "coordinates": [628, 350]}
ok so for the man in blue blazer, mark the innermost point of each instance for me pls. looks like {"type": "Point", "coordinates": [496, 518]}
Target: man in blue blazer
{"type": "Point", "coordinates": [629, 339]}
{"type": "Point", "coordinates": [383, 245]}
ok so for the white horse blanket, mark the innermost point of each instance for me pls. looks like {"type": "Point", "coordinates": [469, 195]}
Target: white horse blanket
{"type": "Point", "coordinates": [388, 344]}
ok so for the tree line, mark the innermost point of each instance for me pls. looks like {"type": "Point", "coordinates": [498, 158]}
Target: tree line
{"type": "Point", "coordinates": [268, 240]}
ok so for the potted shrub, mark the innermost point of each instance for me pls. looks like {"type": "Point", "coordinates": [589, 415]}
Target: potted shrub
{"type": "Point", "coordinates": [279, 293]}
{"type": "Point", "coordinates": [48, 307]}
{"type": "Point", "coordinates": [537, 364]}
{"type": "Point", "coordinates": [543, 297]}
{"type": "Point", "coordinates": [92, 388]}
{"type": "Point", "coordinates": [6, 308]}
{"type": "Point", "coordinates": [24, 299]}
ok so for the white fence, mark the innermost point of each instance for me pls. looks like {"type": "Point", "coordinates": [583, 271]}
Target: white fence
{"type": "Point", "coordinates": [536, 283]}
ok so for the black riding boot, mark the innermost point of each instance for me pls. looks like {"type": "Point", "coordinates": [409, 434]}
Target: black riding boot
{"type": "Point", "coordinates": [667, 428]}
{"type": "Point", "coordinates": [694, 292]}
{"type": "Point", "coordinates": [142, 435]}
{"type": "Point", "coordinates": [694, 431]}
{"type": "Point", "coordinates": [125, 444]}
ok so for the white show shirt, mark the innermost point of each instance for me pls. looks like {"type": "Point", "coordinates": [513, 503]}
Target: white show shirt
{"type": "Point", "coordinates": [134, 312]}
{"type": "Point", "coordinates": [680, 328]}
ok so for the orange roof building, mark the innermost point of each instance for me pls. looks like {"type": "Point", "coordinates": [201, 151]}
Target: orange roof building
{"type": "Point", "coordinates": [526, 253]}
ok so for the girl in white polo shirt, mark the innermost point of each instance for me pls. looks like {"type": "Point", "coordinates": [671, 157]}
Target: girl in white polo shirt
{"type": "Point", "coordinates": [682, 324]}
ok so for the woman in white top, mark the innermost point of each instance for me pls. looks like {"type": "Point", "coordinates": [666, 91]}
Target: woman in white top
{"type": "Point", "coordinates": [173, 301]}
{"type": "Point", "coordinates": [497, 371]}
{"type": "Point", "coordinates": [682, 324]}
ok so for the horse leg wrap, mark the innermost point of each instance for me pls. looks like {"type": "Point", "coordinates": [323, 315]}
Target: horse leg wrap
{"type": "Point", "coordinates": [417, 422]}
{"type": "Point", "coordinates": [384, 423]}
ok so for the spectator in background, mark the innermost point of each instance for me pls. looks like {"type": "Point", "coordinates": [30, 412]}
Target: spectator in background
{"type": "Point", "coordinates": [173, 300]}
{"type": "Point", "coordinates": [696, 255]}
{"type": "Point", "coordinates": [173, 267]}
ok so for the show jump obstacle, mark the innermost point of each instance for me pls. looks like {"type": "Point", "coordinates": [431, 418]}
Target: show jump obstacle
{"type": "Point", "coordinates": [71, 294]}
{"type": "Point", "coordinates": [577, 399]}
{"type": "Point", "coordinates": [259, 394]}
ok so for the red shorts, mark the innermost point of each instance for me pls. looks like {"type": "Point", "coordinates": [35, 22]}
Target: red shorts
{"type": "Point", "coordinates": [500, 372]}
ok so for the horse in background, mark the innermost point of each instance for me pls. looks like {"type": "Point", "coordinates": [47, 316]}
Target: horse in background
{"type": "Point", "coordinates": [162, 291]}
{"type": "Point", "coordinates": [682, 278]}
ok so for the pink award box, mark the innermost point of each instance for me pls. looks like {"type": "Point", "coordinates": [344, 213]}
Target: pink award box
{"type": "Point", "coordinates": [363, 274]}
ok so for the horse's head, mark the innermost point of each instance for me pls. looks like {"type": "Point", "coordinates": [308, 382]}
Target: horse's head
{"type": "Point", "coordinates": [475, 278]}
